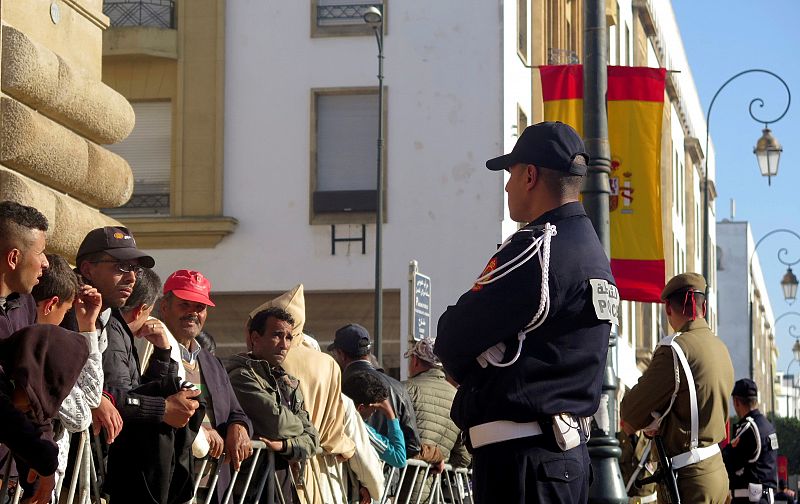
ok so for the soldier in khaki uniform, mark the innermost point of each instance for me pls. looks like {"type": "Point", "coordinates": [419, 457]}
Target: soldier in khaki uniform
{"type": "Point", "coordinates": [661, 403]}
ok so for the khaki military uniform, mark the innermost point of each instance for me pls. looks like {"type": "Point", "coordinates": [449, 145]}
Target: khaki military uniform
{"type": "Point", "coordinates": [705, 481]}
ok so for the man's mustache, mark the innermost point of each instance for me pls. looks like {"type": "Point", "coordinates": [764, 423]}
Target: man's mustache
{"type": "Point", "coordinates": [192, 318]}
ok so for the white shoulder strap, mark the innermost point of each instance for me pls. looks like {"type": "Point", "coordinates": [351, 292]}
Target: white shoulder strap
{"type": "Point", "coordinates": [677, 352]}
{"type": "Point", "coordinates": [757, 434]}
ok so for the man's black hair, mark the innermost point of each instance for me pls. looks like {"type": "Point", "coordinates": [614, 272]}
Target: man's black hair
{"type": "Point", "coordinates": [751, 402]}
{"type": "Point", "coordinates": [16, 220]}
{"type": "Point", "coordinates": [259, 322]}
{"type": "Point", "coordinates": [561, 183]}
{"type": "Point", "coordinates": [57, 280]}
{"type": "Point", "coordinates": [365, 388]}
{"type": "Point", "coordinates": [145, 291]}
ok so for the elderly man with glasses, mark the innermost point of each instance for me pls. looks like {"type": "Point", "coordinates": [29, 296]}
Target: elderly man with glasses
{"type": "Point", "coordinates": [109, 260]}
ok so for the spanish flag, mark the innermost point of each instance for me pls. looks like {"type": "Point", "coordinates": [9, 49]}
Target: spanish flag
{"type": "Point", "coordinates": [635, 107]}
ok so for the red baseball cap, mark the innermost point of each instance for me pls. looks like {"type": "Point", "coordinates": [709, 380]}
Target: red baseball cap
{"type": "Point", "coordinates": [189, 285]}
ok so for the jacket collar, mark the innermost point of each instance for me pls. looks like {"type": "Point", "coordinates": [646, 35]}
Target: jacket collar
{"type": "Point", "coordinates": [698, 323]}
{"type": "Point", "coordinates": [566, 210]}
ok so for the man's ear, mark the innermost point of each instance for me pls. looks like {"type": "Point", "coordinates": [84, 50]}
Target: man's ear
{"type": "Point", "coordinates": [668, 308]}
{"type": "Point", "coordinates": [13, 257]}
{"type": "Point", "coordinates": [49, 304]}
{"type": "Point", "coordinates": [250, 337]}
{"type": "Point", "coordinates": [531, 176]}
{"type": "Point", "coordinates": [85, 270]}
{"type": "Point", "coordinates": [139, 310]}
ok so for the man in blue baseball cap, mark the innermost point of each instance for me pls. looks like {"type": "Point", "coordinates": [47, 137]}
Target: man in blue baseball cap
{"type": "Point", "coordinates": [528, 342]}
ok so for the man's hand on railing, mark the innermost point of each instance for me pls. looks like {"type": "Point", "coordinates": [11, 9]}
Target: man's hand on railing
{"type": "Point", "coordinates": [44, 490]}
{"type": "Point", "coordinates": [237, 445]}
{"type": "Point", "coordinates": [180, 407]}
{"type": "Point", "coordinates": [106, 416]}
{"type": "Point", "coordinates": [215, 443]}
{"type": "Point", "coordinates": [275, 446]}
{"type": "Point", "coordinates": [365, 498]}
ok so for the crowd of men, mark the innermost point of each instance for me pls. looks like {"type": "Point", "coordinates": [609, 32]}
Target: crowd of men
{"type": "Point", "coordinates": [515, 373]}
{"type": "Point", "coordinates": [81, 348]}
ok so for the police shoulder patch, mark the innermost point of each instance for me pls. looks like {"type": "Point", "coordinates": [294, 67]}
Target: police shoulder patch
{"type": "Point", "coordinates": [773, 441]}
{"type": "Point", "coordinates": [605, 298]}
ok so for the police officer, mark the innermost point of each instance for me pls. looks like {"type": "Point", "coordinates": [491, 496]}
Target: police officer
{"type": "Point", "coordinates": [528, 342]}
{"type": "Point", "coordinates": [688, 413]}
{"type": "Point", "coordinates": [751, 458]}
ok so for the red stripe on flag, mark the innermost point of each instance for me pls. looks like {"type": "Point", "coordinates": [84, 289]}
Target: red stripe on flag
{"type": "Point", "coordinates": [561, 82]}
{"type": "Point", "coordinates": [639, 280]}
{"type": "Point", "coordinates": [636, 83]}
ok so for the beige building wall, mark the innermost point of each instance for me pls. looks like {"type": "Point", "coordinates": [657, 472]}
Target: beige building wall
{"type": "Point", "coordinates": [57, 116]}
{"type": "Point", "coordinates": [185, 66]}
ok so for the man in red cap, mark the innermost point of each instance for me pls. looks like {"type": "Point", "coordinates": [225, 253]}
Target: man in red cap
{"type": "Point", "coordinates": [183, 310]}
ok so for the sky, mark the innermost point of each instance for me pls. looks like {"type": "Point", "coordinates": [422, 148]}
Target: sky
{"type": "Point", "coordinates": [723, 38]}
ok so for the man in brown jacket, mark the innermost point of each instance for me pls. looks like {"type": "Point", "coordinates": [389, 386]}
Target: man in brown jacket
{"type": "Point", "coordinates": [661, 403]}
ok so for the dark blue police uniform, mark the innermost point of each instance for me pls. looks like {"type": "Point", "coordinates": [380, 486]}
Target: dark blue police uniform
{"type": "Point", "coordinates": [754, 458]}
{"type": "Point", "coordinates": [559, 370]}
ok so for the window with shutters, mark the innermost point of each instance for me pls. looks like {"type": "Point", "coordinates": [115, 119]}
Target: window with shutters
{"type": "Point", "coordinates": [344, 155]}
{"type": "Point", "coordinates": [148, 150]}
{"type": "Point", "coordinates": [522, 30]}
{"type": "Point", "coordinates": [337, 18]}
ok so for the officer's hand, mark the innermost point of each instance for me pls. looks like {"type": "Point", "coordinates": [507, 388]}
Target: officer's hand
{"type": "Point", "coordinates": [492, 355]}
{"type": "Point", "coordinates": [627, 428]}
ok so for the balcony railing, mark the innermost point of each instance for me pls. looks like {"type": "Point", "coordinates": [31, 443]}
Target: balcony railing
{"type": "Point", "coordinates": [561, 57]}
{"type": "Point", "coordinates": [345, 12]}
{"type": "Point", "coordinates": [152, 13]}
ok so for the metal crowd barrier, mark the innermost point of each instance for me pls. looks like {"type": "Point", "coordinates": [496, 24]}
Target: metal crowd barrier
{"type": "Point", "coordinates": [452, 486]}
{"type": "Point", "coordinates": [266, 480]}
{"type": "Point", "coordinates": [415, 473]}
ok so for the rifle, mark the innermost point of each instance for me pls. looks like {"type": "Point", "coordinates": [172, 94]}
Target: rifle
{"type": "Point", "coordinates": [664, 475]}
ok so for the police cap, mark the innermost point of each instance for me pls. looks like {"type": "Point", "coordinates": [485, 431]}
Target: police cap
{"type": "Point", "coordinates": [745, 388]}
{"type": "Point", "coordinates": [552, 145]}
{"type": "Point", "coordinates": [684, 282]}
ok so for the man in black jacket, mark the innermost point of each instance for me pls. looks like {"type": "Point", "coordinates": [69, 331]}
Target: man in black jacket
{"type": "Point", "coordinates": [109, 260]}
{"type": "Point", "coordinates": [351, 349]}
{"type": "Point", "coordinates": [528, 342]}
{"type": "Point", "coordinates": [751, 458]}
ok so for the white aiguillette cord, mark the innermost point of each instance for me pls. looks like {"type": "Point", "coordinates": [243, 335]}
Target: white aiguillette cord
{"type": "Point", "coordinates": [539, 247]}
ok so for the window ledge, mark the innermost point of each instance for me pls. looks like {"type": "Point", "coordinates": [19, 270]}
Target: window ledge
{"type": "Point", "coordinates": [179, 232]}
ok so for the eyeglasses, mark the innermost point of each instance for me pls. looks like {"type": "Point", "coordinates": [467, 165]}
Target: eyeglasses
{"type": "Point", "coordinates": [123, 267]}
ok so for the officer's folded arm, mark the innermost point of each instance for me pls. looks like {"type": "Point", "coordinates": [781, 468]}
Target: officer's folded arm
{"type": "Point", "coordinates": [652, 393]}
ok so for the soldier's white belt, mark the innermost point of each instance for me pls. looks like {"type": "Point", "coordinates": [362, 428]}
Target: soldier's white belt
{"type": "Point", "coordinates": [694, 456]}
{"type": "Point", "coordinates": [502, 430]}
{"type": "Point", "coordinates": [643, 499]}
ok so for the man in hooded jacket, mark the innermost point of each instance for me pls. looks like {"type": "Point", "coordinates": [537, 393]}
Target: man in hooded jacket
{"type": "Point", "coordinates": [39, 365]}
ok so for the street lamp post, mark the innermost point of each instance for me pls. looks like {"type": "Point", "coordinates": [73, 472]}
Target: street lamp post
{"type": "Point", "coordinates": [603, 447]}
{"type": "Point", "coordinates": [373, 16]}
{"type": "Point", "coordinates": [789, 287]}
{"type": "Point", "coordinates": [789, 281]}
{"type": "Point", "coordinates": [796, 353]}
{"type": "Point", "coordinates": [767, 151]}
